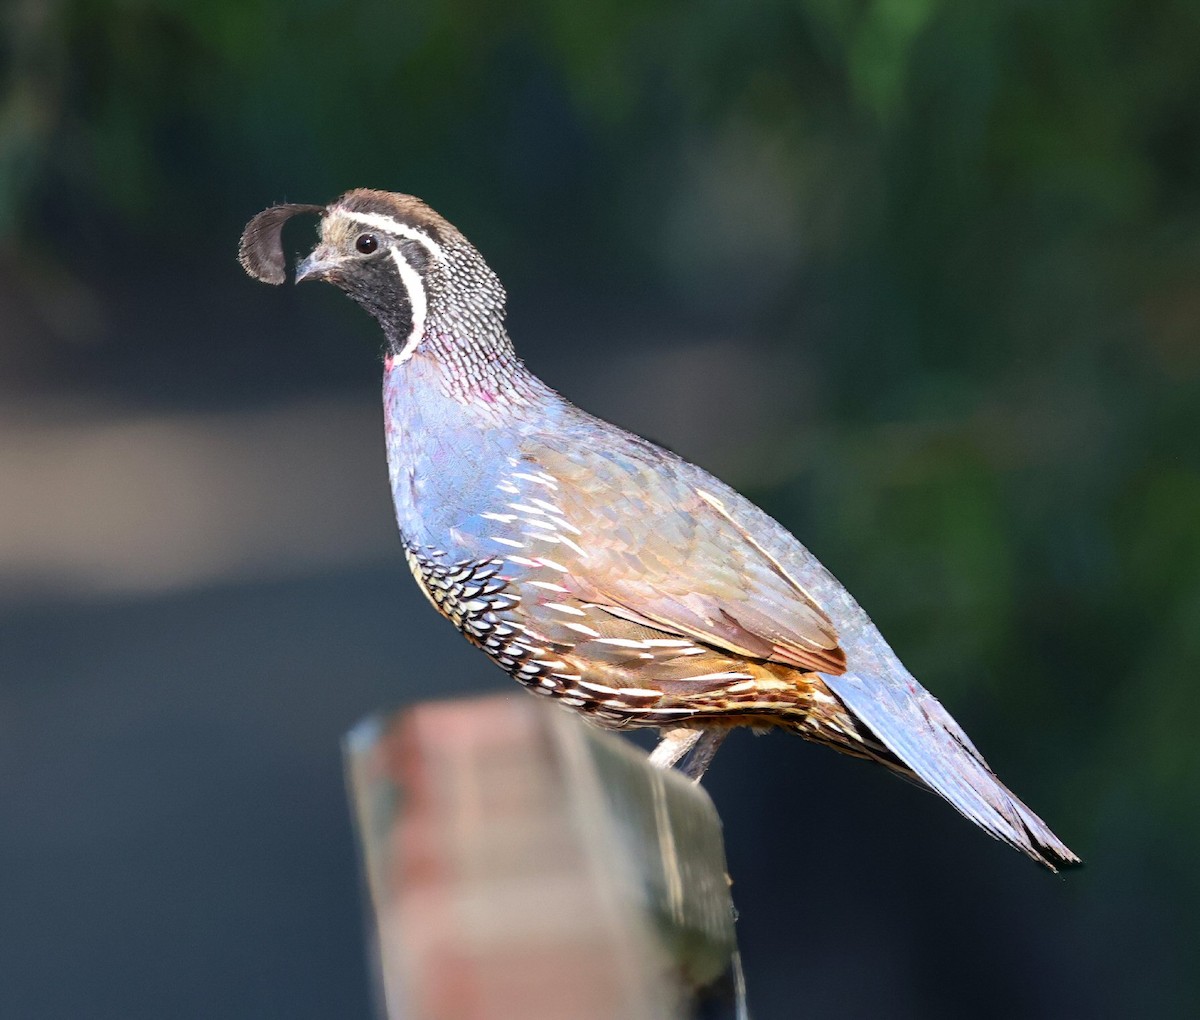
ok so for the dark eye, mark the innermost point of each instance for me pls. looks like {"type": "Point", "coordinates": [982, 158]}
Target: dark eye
{"type": "Point", "coordinates": [366, 244]}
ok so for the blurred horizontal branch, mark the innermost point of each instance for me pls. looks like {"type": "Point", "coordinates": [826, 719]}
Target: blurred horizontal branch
{"type": "Point", "coordinates": [96, 504]}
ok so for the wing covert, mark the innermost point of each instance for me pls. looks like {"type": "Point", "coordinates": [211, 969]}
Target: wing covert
{"type": "Point", "coordinates": [657, 550]}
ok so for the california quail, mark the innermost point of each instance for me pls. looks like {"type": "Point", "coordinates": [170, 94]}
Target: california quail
{"type": "Point", "coordinates": [595, 567]}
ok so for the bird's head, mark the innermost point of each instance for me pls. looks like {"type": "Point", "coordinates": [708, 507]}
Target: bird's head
{"type": "Point", "coordinates": [396, 257]}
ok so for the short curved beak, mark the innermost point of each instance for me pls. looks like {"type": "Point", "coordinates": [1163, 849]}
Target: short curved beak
{"type": "Point", "coordinates": [318, 265]}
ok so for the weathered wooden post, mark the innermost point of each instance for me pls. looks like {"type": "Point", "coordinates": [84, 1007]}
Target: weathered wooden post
{"type": "Point", "coordinates": [522, 864]}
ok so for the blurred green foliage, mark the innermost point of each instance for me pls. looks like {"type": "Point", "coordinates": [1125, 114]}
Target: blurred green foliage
{"type": "Point", "coordinates": [988, 214]}
{"type": "Point", "coordinates": [995, 206]}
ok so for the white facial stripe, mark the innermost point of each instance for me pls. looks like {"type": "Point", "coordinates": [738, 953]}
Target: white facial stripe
{"type": "Point", "coordinates": [420, 306]}
{"type": "Point", "coordinates": [393, 226]}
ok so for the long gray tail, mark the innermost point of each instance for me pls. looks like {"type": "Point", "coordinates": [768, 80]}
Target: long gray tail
{"type": "Point", "coordinates": [914, 726]}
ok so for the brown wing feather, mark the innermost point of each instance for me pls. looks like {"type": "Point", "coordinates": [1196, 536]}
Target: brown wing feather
{"type": "Point", "coordinates": [691, 569]}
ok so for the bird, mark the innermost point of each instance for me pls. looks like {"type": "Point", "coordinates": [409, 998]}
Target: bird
{"type": "Point", "coordinates": [598, 569]}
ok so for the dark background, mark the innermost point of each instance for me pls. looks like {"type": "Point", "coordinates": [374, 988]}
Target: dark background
{"type": "Point", "coordinates": [921, 277]}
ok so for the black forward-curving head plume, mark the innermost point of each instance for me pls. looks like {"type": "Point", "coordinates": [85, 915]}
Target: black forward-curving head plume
{"type": "Point", "coordinates": [261, 250]}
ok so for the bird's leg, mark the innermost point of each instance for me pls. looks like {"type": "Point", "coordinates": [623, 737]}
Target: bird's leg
{"type": "Point", "coordinates": [673, 745]}
{"type": "Point", "coordinates": [702, 754]}
{"type": "Point", "coordinates": [676, 743]}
